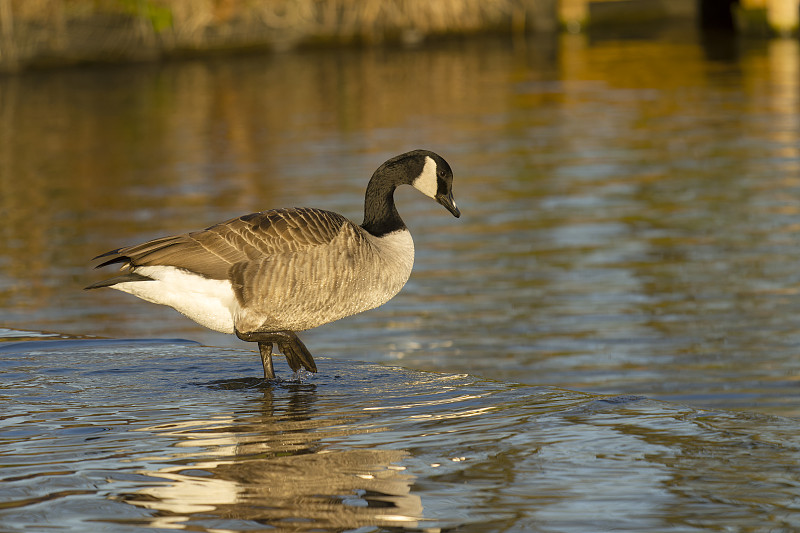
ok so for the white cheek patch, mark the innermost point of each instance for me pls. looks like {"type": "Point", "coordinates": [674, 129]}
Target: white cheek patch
{"type": "Point", "coordinates": [426, 182]}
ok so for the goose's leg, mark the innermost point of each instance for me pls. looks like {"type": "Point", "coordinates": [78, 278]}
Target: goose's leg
{"type": "Point", "coordinates": [297, 355]}
{"type": "Point", "coordinates": [265, 348]}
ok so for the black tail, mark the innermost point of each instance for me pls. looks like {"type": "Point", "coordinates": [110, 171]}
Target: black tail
{"type": "Point", "coordinates": [130, 276]}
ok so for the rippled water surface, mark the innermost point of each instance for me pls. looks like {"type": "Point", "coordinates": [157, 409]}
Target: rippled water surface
{"type": "Point", "coordinates": [119, 435]}
{"type": "Point", "coordinates": [606, 340]}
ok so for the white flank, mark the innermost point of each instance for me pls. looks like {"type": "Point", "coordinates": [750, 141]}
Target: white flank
{"type": "Point", "coordinates": [426, 182]}
{"type": "Point", "coordinates": [209, 302]}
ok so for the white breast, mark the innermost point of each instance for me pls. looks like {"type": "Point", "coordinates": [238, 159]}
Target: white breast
{"type": "Point", "coordinates": [396, 249]}
{"type": "Point", "coordinates": [391, 267]}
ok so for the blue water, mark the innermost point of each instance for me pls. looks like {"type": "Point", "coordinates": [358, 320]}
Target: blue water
{"type": "Point", "coordinates": [168, 434]}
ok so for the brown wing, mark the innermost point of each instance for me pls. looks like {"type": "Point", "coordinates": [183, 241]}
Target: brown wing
{"type": "Point", "coordinates": [212, 252]}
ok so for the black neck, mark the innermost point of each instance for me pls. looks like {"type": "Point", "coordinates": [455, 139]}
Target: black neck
{"type": "Point", "coordinates": [380, 214]}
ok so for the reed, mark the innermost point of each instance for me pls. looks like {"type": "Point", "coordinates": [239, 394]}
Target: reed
{"type": "Point", "coordinates": [41, 31]}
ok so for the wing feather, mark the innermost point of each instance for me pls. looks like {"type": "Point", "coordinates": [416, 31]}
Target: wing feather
{"type": "Point", "coordinates": [213, 251]}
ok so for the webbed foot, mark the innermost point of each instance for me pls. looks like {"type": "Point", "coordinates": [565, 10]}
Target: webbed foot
{"type": "Point", "coordinates": [290, 345]}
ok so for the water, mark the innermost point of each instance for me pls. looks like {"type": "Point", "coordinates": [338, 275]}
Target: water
{"type": "Point", "coordinates": [173, 435]}
{"type": "Point", "coordinates": [607, 338]}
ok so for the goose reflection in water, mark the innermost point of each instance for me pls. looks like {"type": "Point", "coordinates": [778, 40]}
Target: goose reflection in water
{"type": "Point", "coordinates": [279, 467]}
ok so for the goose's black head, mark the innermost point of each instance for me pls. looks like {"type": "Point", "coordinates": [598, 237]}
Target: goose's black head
{"type": "Point", "coordinates": [430, 174]}
{"type": "Point", "coordinates": [424, 170]}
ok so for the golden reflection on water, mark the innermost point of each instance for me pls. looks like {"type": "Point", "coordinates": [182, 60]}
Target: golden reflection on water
{"type": "Point", "coordinates": [85, 167]}
{"type": "Point", "coordinates": [784, 70]}
{"type": "Point", "coordinates": [138, 151]}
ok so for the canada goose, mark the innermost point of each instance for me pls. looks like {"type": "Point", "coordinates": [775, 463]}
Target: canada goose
{"type": "Point", "coordinates": [265, 276]}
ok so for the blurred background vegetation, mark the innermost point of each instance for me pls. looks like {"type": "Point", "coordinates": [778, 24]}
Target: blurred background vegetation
{"type": "Point", "coordinates": [42, 32]}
